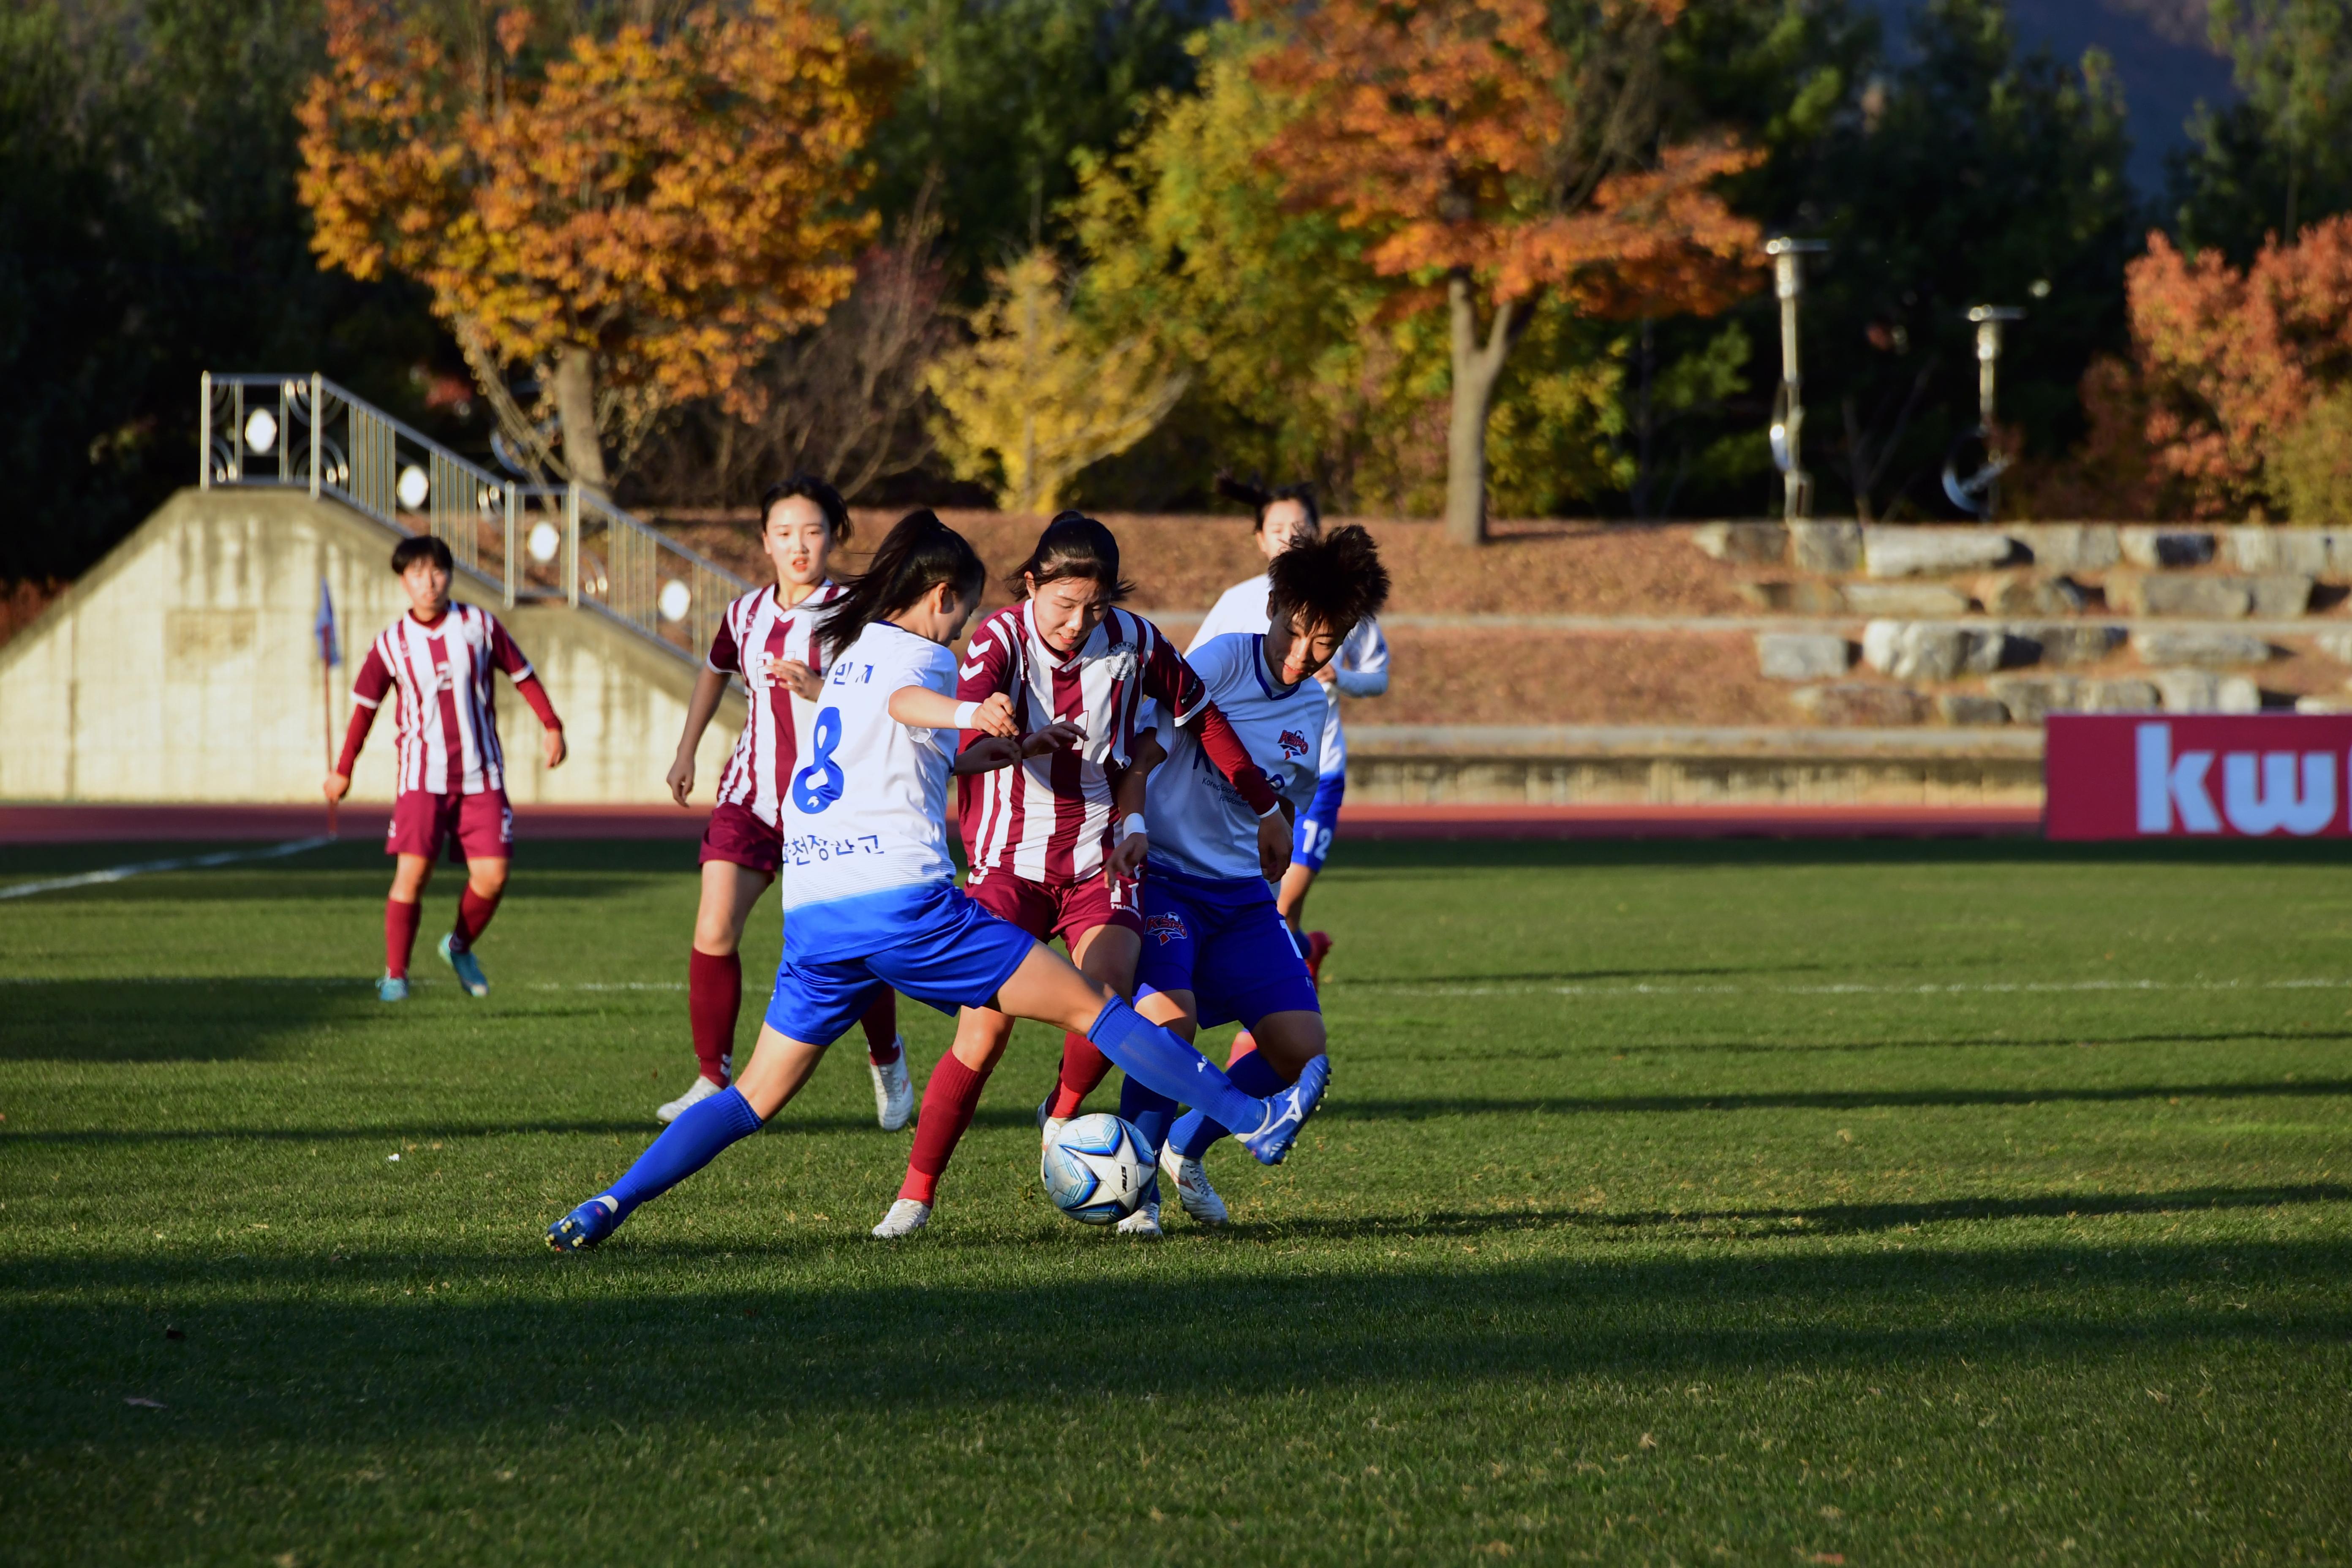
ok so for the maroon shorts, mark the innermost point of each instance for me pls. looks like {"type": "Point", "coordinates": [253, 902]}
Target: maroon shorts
{"type": "Point", "coordinates": [480, 826]}
{"type": "Point", "coordinates": [1068, 910]}
{"type": "Point", "coordinates": [736, 835]}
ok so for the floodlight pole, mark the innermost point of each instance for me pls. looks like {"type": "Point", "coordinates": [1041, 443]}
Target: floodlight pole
{"type": "Point", "coordinates": [1980, 493]}
{"type": "Point", "coordinates": [1788, 403]}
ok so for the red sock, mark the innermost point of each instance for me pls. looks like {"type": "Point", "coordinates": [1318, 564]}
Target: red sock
{"type": "Point", "coordinates": [1243, 1046]}
{"type": "Point", "coordinates": [399, 924]}
{"type": "Point", "coordinates": [949, 1100]}
{"type": "Point", "coordinates": [1083, 1071]}
{"type": "Point", "coordinates": [714, 995]}
{"type": "Point", "coordinates": [474, 913]}
{"type": "Point", "coordinates": [881, 1026]}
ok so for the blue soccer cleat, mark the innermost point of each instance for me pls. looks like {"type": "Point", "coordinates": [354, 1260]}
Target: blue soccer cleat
{"type": "Point", "coordinates": [468, 971]}
{"type": "Point", "coordinates": [585, 1227]}
{"type": "Point", "coordinates": [1286, 1114]}
{"type": "Point", "coordinates": [388, 989]}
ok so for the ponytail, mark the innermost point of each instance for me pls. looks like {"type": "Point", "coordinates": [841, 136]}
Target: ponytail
{"type": "Point", "coordinates": [1072, 546]}
{"type": "Point", "coordinates": [916, 556]}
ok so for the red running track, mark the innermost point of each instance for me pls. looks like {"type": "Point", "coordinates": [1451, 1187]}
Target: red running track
{"type": "Point", "coordinates": [195, 822]}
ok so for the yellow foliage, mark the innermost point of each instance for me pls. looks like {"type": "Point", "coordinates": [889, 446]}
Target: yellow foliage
{"type": "Point", "coordinates": [1031, 401]}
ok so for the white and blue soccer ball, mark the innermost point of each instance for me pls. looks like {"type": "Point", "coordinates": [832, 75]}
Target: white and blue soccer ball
{"type": "Point", "coordinates": [1097, 1168]}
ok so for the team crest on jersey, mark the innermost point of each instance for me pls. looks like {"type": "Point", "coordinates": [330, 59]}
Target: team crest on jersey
{"type": "Point", "coordinates": [1121, 661]}
{"type": "Point", "coordinates": [1166, 928]}
{"type": "Point", "coordinates": [1294, 744]}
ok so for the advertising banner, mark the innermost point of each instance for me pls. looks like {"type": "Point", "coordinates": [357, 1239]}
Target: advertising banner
{"type": "Point", "coordinates": [2147, 775]}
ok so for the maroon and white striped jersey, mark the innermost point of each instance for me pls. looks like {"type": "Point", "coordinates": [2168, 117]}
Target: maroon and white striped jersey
{"type": "Point", "coordinates": [1048, 819]}
{"type": "Point", "coordinates": [755, 629]}
{"type": "Point", "coordinates": [448, 727]}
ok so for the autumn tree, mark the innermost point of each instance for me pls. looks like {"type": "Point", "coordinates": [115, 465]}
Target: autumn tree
{"type": "Point", "coordinates": [2282, 154]}
{"type": "Point", "coordinates": [636, 213]}
{"type": "Point", "coordinates": [1496, 150]}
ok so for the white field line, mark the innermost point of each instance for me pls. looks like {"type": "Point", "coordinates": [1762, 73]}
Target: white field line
{"type": "Point", "coordinates": [1951, 988]}
{"type": "Point", "coordinates": [184, 863]}
{"type": "Point", "coordinates": [326, 982]}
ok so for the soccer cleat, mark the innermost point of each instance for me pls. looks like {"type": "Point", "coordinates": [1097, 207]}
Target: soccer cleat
{"type": "Point", "coordinates": [905, 1217]}
{"type": "Point", "coordinates": [392, 988]}
{"type": "Point", "coordinates": [701, 1089]}
{"type": "Point", "coordinates": [584, 1226]}
{"type": "Point", "coordinates": [468, 971]}
{"type": "Point", "coordinates": [1144, 1224]}
{"type": "Point", "coordinates": [1192, 1190]}
{"type": "Point", "coordinates": [1318, 947]}
{"type": "Point", "coordinates": [894, 1093]}
{"type": "Point", "coordinates": [1286, 1114]}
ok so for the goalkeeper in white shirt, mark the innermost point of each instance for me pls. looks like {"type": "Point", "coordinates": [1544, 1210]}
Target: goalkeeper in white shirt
{"type": "Point", "coordinates": [1286, 516]}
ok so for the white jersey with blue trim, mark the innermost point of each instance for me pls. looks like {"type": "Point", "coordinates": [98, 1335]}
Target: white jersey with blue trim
{"type": "Point", "coordinates": [1198, 823]}
{"type": "Point", "coordinates": [865, 811]}
{"type": "Point", "coordinates": [1361, 666]}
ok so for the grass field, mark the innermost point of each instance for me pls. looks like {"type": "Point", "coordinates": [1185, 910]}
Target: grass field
{"type": "Point", "coordinates": [1734, 1203]}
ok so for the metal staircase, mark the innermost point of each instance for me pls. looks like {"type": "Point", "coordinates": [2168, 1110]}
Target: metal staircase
{"type": "Point", "coordinates": [527, 543]}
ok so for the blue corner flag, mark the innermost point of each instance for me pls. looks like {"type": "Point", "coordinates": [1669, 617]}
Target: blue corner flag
{"type": "Point", "coordinates": [330, 654]}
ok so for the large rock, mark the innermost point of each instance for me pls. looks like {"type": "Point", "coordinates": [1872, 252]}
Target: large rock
{"type": "Point", "coordinates": [2064, 644]}
{"type": "Point", "coordinates": [2211, 649]}
{"type": "Point", "coordinates": [1860, 702]}
{"type": "Point", "coordinates": [1933, 552]}
{"type": "Point", "coordinates": [2027, 594]}
{"type": "Point", "coordinates": [2201, 597]}
{"type": "Point", "coordinates": [1826, 546]}
{"type": "Point", "coordinates": [2031, 699]}
{"type": "Point", "coordinates": [2162, 547]}
{"type": "Point", "coordinates": [1806, 596]}
{"type": "Point", "coordinates": [1750, 543]}
{"type": "Point", "coordinates": [1801, 656]}
{"type": "Point", "coordinates": [1926, 600]}
{"type": "Point", "coordinates": [2310, 552]}
{"type": "Point", "coordinates": [1970, 707]}
{"type": "Point", "coordinates": [2069, 546]}
{"type": "Point", "coordinates": [2202, 692]}
{"type": "Point", "coordinates": [1930, 650]}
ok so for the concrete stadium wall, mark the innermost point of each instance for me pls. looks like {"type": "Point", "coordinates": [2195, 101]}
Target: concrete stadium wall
{"type": "Point", "coordinates": [184, 669]}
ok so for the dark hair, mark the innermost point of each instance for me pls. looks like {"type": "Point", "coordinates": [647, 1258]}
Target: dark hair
{"type": "Point", "coordinates": [421, 547]}
{"type": "Point", "coordinates": [1072, 546]}
{"type": "Point", "coordinates": [1259, 499]}
{"type": "Point", "coordinates": [1337, 580]}
{"type": "Point", "coordinates": [915, 557]}
{"type": "Point", "coordinates": [808, 487]}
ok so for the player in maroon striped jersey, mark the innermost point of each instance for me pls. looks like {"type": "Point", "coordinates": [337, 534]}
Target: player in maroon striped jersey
{"type": "Point", "coordinates": [1054, 837]}
{"type": "Point", "coordinates": [765, 639]}
{"type": "Point", "coordinates": [438, 657]}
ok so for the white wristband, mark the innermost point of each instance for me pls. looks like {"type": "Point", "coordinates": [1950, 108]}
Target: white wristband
{"type": "Point", "coordinates": [1130, 828]}
{"type": "Point", "coordinates": [964, 714]}
{"type": "Point", "coordinates": [1270, 810]}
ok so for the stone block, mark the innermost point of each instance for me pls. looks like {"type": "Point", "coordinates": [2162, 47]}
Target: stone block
{"type": "Point", "coordinates": [2203, 692]}
{"type": "Point", "coordinates": [2196, 598]}
{"type": "Point", "coordinates": [1805, 596]}
{"type": "Point", "coordinates": [2027, 594]}
{"type": "Point", "coordinates": [2163, 547]}
{"type": "Point", "coordinates": [1826, 546]}
{"type": "Point", "coordinates": [1860, 702]}
{"type": "Point", "coordinates": [2311, 552]}
{"type": "Point", "coordinates": [1970, 707]}
{"type": "Point", "coordinates": [1933, 552]}
{"type": "Point", "coordinates": [2029, 698]}
{"type": "Point", "coordinates": [2114, 697]}
{"type": "Point", "coordinates": [1801, 656]}
{"type": "Point", "coordinates": [2336, 645]}
{"type": "Point", "coordinates": [1749, 543]}
{"type": "Point", "coordinates": [2069, 546]}
{"type": "Point", "coordinates": [1930, 650]}
{"type": "Point", "coordinates": [2208, 649]}
{"type": "Point", "coordinates": [1926, 600]}
{"type": "Point", "coordinates": [2062, 644]}
{"type": "Point", "coordinates": [2279, 596]}
{"type": "Point", "coordinates": [2322, 705]}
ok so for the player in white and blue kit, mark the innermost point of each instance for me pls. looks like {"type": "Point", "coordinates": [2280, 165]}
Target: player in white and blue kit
{"type": "Point", "coordinates": [1360, 668]}
{"type": "Point", "coordinates": [870, 895]}
{"type": "Point", "coordinates": [1215, 947]}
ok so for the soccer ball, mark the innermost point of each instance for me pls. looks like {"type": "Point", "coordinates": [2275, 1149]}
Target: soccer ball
{"type": "Point", "coordinates": [1097, 1168]}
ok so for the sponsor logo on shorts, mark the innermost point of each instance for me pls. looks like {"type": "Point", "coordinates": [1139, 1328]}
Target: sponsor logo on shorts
{"type": "Point", "coordinates": [1166, 928]}
{"type": "Point", "coordinates": [1294, 744]}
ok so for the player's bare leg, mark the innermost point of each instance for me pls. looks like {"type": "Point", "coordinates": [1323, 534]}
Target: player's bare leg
{"type": "Point", "coordinates": [486, 883]}
{"type": "Point", "coordinates": [403, 913]}
{"type": "Point", "coordinates": [714, 976]}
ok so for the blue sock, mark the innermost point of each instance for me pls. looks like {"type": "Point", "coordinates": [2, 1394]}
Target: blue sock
{"type": "Point", "coordinates": [1251, 1075]}
{"type": "Point", "coordinates": [1145, 1051]}
{"type": "Point", "coordinates": [1150, 1112]}
{"type": "Point", "coordinates": [689, 1143]}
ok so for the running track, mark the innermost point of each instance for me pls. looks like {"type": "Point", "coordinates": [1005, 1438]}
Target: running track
{"type": "Point", "coordinates": [247, 824]}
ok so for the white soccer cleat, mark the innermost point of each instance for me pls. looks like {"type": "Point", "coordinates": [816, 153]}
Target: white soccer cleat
{"type": "Point", "coordinates": [1192, 1190]}
{"type": "Point", "coordinates": [1143, 1222]}
{"type": "Point", "coordinates": [1050, 1129]}
{"type": "Point", "coordinates": [703, 1090]}
{"type": "Point", "coordinates": [905, 1217]}
{"type": "Point", "coordinates": [894, 1093]}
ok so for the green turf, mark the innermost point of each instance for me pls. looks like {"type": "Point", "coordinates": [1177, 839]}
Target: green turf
{"type": "Point", "coordinates": [1724, 1203]}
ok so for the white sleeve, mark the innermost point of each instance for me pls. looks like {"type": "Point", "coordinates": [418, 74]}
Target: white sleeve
{"type": "Point", "coordinates": [1362, 667]}
{"type": "Point", "coordinates": [1233, 612]}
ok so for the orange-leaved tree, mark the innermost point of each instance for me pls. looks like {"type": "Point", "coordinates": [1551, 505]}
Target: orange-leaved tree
{"type": "Point", "coordinates": [635, 214]}
{"type": "Point", "coordinates": [1500, 148]}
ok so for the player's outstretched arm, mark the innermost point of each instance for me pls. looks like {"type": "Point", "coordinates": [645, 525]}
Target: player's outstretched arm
{"type": "Point", "coordinates": [710, 687]}
{"type": "Point", "coordinates": [920, 707]}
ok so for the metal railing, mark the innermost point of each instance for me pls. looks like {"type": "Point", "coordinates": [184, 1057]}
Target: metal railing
{"type": "Point", "coordinates": [527, 542]}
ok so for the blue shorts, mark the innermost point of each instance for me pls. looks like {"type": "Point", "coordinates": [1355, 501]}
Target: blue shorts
{"type": "Point", "coordinates": [1225, 943]}
{"type": "Point", "coordinates": [931, 943]}
{"type": "Point", "coordinates": [1310, 840]}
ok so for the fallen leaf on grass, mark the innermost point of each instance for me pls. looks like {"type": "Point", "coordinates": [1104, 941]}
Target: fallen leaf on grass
{"type": "Point", "coordinates": [1647, 1442]}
